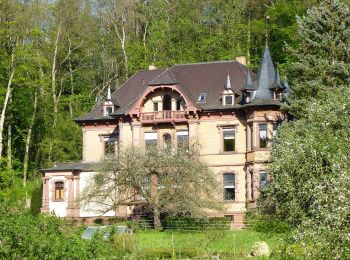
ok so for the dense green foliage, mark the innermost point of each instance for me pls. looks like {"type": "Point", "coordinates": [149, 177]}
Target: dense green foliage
{"type": "Point", "coordinates": [64, 54]}
{"type": "Point", "coordinates": [310, 169]}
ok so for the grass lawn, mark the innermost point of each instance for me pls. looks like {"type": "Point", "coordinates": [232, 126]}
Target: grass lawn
{"type": "Point", "coordinates": [240, 242]}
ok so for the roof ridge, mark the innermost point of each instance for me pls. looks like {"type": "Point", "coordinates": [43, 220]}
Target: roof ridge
{"type": "Point", "coordinates": [206, 62]}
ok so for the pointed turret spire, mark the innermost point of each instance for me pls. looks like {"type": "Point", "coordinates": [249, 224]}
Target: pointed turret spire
{"type": "Point", "coordinates": [249, 85]}
{"type": "Point", "coordinates": [228, 82]}
{"type": "Point", "coordinates": [277, 84]}
{"type": "Point", "coordinates": [266, 76]}
{"type": "Point", "coordinates": [109, 95]}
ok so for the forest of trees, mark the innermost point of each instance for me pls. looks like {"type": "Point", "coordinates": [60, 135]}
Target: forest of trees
{"type": "Point", "coordinates": [58, 57]}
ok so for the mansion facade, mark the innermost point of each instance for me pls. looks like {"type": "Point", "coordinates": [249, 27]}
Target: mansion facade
{"type": "Point", "coordinates": [229, 110]}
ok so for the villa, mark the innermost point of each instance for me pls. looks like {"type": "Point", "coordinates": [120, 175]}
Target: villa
{"type": "Point", "coordinates": [231, 111]}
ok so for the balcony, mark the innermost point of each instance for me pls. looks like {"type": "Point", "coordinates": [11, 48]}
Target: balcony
{"type": "Point", "coordinates": [166, 116]}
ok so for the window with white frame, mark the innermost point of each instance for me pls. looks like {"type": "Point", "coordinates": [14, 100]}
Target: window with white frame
{"type": "Point", "coordinates": [262, 135]}
{"type": "Point", "coordinates": [228, 135]}
{"type": "Point", "coordinates": [109, 110]}
{"type": "Point", "coordinates": [109, 143]}
{"type": "Point", "coordinates": [229, 186]}
{"type": "Point", "coordinates": [151, 139]}
{"type": "Point", "coordinates": [229, 100]}
{"type": "Point", "coordinates": [181, 137]}
{"type": "Point", "coordinates": [202, 98]}
{"type": "Point", "coordinates": [59, 190]}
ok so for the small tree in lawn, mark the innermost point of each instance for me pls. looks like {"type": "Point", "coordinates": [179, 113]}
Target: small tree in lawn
{"type": "Point", "coordinates": [169, 180]}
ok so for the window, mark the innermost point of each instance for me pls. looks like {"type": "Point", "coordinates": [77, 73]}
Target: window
{"type": "Point", "coordinates": [274, 129]}
{"type": "Point", "coordinates": [167, 102]}
{"type": "Point", "coordinates": [59, 190]}
{"type": "Point", "coordinates": [229, 186]}
{"type": "Point", "coordinates": [263, 135]}
{"type": "Point", "coordinates": [167, 140]}
{"type": "Point", "coordinates": [229, 139]}
{"type": "Point", "coordinates": [247, 97]}
{"type": "Point", "coordinates": [262, 179]}
{"type": "Point", "coordinates": [109, 146]}
{"type": "Point", "coordinates": [181, 137]}
{"type": "Point", "coordinates": [250, 137]}
{"type": "Point", "coordinates": [178, 105]}
{"type": "Point", "coordinates": [228, 100]}
{"type": "Point", "coordinates": [109, 110]}
{"type": "Point", "coordinates": [155, 107]}
{"type": "Point", "coordinates": [277, 95]}
{"type": "Point", "coordinates": [202, 97]}
{"type": "Point", "coordinates": [151, 139]}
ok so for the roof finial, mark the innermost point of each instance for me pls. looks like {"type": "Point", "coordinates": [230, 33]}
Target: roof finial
{"type": "Point", "coordinates": [109, 95]}
{"type": "Point", "coordinates": [267, 18]}
{"type": "Point", "coordinates": [228, 82]}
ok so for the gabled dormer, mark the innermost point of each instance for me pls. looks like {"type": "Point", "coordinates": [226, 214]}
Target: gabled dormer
{"type": "Point", "coordinates": [108, 106]}
{"type": "Point", "coordinates": [277, 88]}
{"type": "Point", "coordinates": [228, 96]}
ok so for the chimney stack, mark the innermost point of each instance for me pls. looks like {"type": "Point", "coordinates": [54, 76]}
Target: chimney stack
{"type": "Point", "coordinates": [152, 67]}
{"type": "Point", "coordinates": [242, 60]}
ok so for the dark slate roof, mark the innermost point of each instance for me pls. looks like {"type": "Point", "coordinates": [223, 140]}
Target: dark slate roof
{"type": "Point", "coordinates": [197, 78]}
{"type": "Point", "coordinates": [72, 166]}
{"type": "Point", "coordinates": [249, 84]}
{"type": "Point", "coordinates": [210, 78]}
{"type": "Point", "coordinates": [125, 96]}
{"type": "Point", "coordinates": [266, 77]}
{"type": "Point", "coordinates": [165, 78]}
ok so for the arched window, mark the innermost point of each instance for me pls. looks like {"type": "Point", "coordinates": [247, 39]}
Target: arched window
{"type": "Point", "coordinates": [229, 186]}
{"type": "Point", "coordinates": [166, 140]}
{"type": "Point", "coordinates": [167, 102]}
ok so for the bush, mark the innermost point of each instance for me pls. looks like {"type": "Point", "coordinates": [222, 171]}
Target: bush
{"type": "Point", "coordinates": [271, 226]}
{"type": "Point", "coordinates": [168, 253]}
{"type": "Point", "coordinates": [24, 236]}
{"type": "Point", "coordinates": [188, 223]}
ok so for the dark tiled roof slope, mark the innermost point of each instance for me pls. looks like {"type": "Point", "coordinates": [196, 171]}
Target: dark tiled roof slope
{"type": "Point", "coordinates": [125, 96]}
{"type": "Point", "coordinates": [71, 166]}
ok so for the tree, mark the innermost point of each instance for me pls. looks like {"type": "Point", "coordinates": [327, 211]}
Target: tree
{"type": "Point", "coordinates": [164, 179]}
{"type": "Point", "coordinates": [309, 173]}
{"type": "Point", "coordinates": [322, 59]}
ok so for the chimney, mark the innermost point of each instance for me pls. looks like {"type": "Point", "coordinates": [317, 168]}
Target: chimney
{"type": "Point", "coordinates": [242, 60]}
{"type": "Point", "coordinates": [152, 67]}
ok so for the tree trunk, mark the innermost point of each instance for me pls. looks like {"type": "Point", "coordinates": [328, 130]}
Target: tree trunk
{"type": "Point", "coordinates": [71, 87]}
{"type": "Point", "coordinates": [248, 40]}
{"type": "Point", "coordinates": [9, 152]}
{"type": "Point", "coordinates": [53, 90]}
{"type": "Point", "coordinates": [7, 97]}
{"type": "Point", "coordinates": [28, 139]}
{"type": "Point", "coordinates": [156, 218]}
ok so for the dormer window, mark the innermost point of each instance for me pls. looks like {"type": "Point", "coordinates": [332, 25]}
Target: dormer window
{"type": "Point", "coordinates": [277, 95]}
{"type": "Point", "coordinates": [247, 97]}
{"type": "Point", "coordinates": [229, 100]}
{"type": "Point", "coordinates": [202, 97]}
{"type": "Point", "coordinates": [108, 110]}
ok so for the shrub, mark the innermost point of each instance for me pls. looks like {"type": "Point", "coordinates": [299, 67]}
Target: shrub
{"type": "Point", "coordinates": [167, 253]}
{"type": "Point", "coordinates": [188, 223]}
{"type": "Point", "coordinates": [271, 226]}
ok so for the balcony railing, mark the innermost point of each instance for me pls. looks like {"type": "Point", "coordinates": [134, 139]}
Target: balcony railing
{"type": "Point", "coordinates": [163, 116]}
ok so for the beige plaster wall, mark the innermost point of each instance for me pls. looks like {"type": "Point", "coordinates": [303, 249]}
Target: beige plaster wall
{"type": "Point", "coordinates": [93, 142]}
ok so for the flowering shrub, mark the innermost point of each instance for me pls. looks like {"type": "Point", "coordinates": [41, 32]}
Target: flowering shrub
{"type": "Point", "coordinates": [310, 177]}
